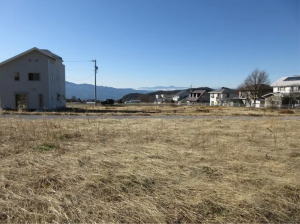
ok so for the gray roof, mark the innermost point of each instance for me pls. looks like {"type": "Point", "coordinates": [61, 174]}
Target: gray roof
{"type": "Point", "coordinates": [287, 81]}
{"type": "Point", "coordinates": [182, 92]}
{"type": "Point", "coordinates": [43, 51]}
{"type": "Point", "coordinates": [224, 90]}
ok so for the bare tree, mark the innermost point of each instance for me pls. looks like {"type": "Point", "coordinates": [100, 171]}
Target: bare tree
{"type": "Point", "coordinates": [255, 84]}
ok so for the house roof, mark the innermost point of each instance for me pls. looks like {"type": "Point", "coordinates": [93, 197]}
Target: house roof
{"type": "Point", "coordinates": [182, 92]}
{"type": "Point", "coordinates": [271, 94]}
{"type": "Point", "coordinates": [223, 90]}
{"type": "Point", "coordinates": [194, 99]}
{"type": "Point", "coordinates": [287, 81]}
{"type": "Point", "coordinates": [199, 91]}
{"type": "Point", "coordinates": [43, 51]}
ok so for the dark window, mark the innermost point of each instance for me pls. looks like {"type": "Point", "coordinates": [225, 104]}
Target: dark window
{"type": "Point", "coordinates": [36, 60]}
{"type": "Point", "coordinates": [33, 76]}
{"type": "Point", "coordinates": [29, 60]}
{"type": "Point", "coordinates": [227, 94]}
{"type": "Point", "coordinates": [17, 76]}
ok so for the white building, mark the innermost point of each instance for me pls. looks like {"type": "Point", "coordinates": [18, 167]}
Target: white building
{"type": "Point", "coordinates": [286, 92]}
{"type": "Point", "coordinates": [34, 79]}
{"type": "Point", "coordinates": [222, 96]}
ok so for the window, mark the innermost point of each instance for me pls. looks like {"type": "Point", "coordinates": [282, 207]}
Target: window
{"type": "Point", "coordinates": [227, 94]}
{"type": "Point", "coordinates": [281, 88]}
{"type": "Point", "coordinates": [29, 60]}
{"type": "Point", "coordinates": [34, 76]}
{"type": "Point", "coordinates": [17, 76]}
{"type": "Point", "coordinates": [36, 60]}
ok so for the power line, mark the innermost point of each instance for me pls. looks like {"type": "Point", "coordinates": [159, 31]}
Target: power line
{"type": "Point", "coordinates": [79, 61]}
{"type": "Point", "coordinates": [80, 70]}
{"type": "Point", "coordinates": [80, 79]}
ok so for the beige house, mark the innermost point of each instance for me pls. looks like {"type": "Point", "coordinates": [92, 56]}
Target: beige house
{"type": "Point", "coordinates": [34, 79]}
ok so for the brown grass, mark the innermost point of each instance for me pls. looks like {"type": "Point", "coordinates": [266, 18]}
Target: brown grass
{"type": "Point", "coordinates": [149, 170]}
{"type": "Point", "coordinates": [163, 110]}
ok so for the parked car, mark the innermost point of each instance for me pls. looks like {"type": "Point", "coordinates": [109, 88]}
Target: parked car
{"type": "Point", "coordinates": [108, 102]}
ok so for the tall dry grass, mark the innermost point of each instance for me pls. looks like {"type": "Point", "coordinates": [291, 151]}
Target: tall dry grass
{"type": "Point", "coordinates": [149, 170]}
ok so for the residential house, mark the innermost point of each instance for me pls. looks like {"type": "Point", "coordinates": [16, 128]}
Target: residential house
{"type": "Point", "coordinates": [163, 98]}
{"type": "Point", "coordinates": [286, 93]}
{"type": "Point", "coordinates": [252, 96]}
{"type": "Point", "coordinates": [222, 97]}
{"type": "Point", "coordinates": [181, 95]}
{"type": "Point", "coordinates": [198, 96]}
{"type": "Point", "coordinates": [34, 79]}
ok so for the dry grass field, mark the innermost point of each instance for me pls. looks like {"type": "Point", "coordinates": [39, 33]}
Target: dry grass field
{"type": "Point", "coordinates": [150, 170]}
{"type": "Point", "coordinates": [162, 110]}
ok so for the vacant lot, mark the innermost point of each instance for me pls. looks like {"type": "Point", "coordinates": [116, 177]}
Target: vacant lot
{"type": "Point", "coordinates": [162, 110]}
{"type": "Point", "coordinates": [149, 170]}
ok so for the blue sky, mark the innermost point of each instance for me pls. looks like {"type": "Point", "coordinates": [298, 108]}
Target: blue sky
{"type": "Point", "coordinates": [141, 43]}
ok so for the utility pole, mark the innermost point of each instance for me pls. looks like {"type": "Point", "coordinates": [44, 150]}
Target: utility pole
{"type": "Point", "coordinates": [96, 68]}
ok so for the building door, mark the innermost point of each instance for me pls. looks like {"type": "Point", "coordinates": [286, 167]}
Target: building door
{"type": "Point", "coordinates": [21, 100]}
{"type": "Point", "coordinates": [41, 102]}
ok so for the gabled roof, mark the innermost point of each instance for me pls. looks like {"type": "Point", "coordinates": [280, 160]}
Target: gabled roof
{"type": "Point", "coordinates": [287, 81]}
{"type": "Point", "coordinates": [43, 51]}
{"type": "Point", "coordinates": [271, 94]}
{"type": "Point", "coordinates": [223, 90]}
{"type": "Point", "coordinates": [182, 92]}
{"type": "Point", "coordinates": [194, 99]}
{"type": "Point", "coordinates": [199, 91]}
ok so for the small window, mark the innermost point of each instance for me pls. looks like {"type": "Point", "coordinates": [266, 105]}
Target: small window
{"type": "Point", "coordinates": [227, 94]}
{"type": "Point", "coordinates": [29, 60]}
{"type": "Point", "coordinates": [17, 76]}
{"type": "Point", "coordinates": [34, 76]}
{"type": "Point", "coordinates": [36, 60]}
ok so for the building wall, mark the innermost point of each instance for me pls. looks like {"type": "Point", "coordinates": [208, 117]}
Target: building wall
{"type": "Point", "coordinates": [221, 98]}
{"type": "Point", "coordinates": [287, 89]}
{"type": "Point", "coordinates": [57, 86]}
{"type": "Point", "coordinates": [33, 62]}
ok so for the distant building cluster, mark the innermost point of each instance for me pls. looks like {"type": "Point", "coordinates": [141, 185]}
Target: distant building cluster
{"type": "Point", "coordinates": [284, 92]}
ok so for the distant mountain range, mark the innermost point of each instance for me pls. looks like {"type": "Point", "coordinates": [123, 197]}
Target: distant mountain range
{"type": "Point", "coordinates": [165, 88]}
{"type": "Point", "coordinates": [87, 91]}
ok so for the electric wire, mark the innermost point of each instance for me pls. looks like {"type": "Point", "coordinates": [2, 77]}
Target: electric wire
{"type": "Point", "coordinates": [80, 79]}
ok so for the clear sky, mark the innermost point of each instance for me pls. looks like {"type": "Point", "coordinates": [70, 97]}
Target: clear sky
{"type": "Point", "coordinates": [145, 43]}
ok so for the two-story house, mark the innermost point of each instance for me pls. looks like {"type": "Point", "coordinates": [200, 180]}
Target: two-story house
{"type": "Point", "coordinates": [222, 97]}
{"type": "Point", "coordinates": [251, 96]}
{"type": "Point", "coordinates": [181, 95]}
{"type": "Point", "coordinates": [34, 79]}
{"type": "Point", "coordinates": [286, 92]}
{"type": "Point", "coordinates": [198, 96]}
{"type": "Point", "coordinates": [163, 98]}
